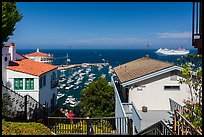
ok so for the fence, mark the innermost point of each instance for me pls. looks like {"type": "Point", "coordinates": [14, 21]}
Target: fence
{"type": "Point", "coordinates": [89, 126]}
{"type": "Point", "coordinates": [133, 113]}
{"type": "Point", "coordinates": [159, 128]}
{"type": "Point", "coordinates": [182, 126]}
{"type": "Point", "coordinates": [18, 106]}
{"type": "Point", "coordinates": [14, 103]}
{"type": "Point", "coordinates": [174, 105]}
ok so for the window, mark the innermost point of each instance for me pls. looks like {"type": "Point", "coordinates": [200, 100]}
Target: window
{"type": "Point", "coordinates": [18, 84]}
{"type": "Point", "coordinates": [40, 83]}
{"type": "Point", "coordinates": [44, 80]}
{"type": "Point", "coordinates": [29, 83]}
{"type": "Point", "coordinates": [171, 87]}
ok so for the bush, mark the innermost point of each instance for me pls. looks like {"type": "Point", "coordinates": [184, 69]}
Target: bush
{"type": "Point", "coordinates": [23, 128]}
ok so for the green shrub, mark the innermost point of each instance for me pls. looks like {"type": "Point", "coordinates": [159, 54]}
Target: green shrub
{"type": "Point", "coordinates": [23, 128]}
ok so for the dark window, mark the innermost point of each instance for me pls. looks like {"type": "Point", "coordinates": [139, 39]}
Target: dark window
{"type": "Point", "coordinates": [5, 58]}
{"type": "Point", "coordinates": [171, 87]}
{"type": "Point", "coordinates": [44, 80]}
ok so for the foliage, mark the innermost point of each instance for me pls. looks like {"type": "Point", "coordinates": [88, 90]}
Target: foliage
{"type": "Point", "coordinates": [23, 128]}
{"type": "Point", "coordinates": [97, 100]}
{"type": "Point", "coordinates": [192, 72]}
{"type": "Point", "coordinates": [3, 105]}
{"type": "Point", "coordinates": [10, 16]}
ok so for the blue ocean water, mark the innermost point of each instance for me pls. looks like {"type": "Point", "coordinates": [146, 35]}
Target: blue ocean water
{"type": "Point", "coordinates": [113, 57]}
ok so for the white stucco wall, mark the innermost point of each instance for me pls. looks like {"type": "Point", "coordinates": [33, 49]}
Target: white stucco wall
{"type": "Point", "coordinates": [154, 96]}
{"type": "Point", "coordinates": [40, 95]}
{"type": "Point", "coordinates": [5, 53]}
{"type": "Point", "coordinates": [46, 92]}
{"type": "Point", "coordinates": [14, 74]}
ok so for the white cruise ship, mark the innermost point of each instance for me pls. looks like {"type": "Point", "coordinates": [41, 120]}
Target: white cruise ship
{"type": "Point", "coordinates": [166, 51]}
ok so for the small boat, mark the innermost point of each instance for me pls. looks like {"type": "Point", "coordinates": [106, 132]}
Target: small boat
{"type": "Point", "coordinates": [76, 87]}
{"type": "Point", "coordinates": [60, 95]}
{"type": "Point", "coordinates": [62, 80]}
{"type": "Point", "coordinates": [77, 82]}
{"type": "Point", "coordinates": [70, 81]}
{"type": "Point", "coordinates": [74, 105]}
{"type": "Point", "coordinates": [103, 75]}
{"type": "Point", "coordinates": [91, 75]}
{"type": "Point", "coordinates": [69, 87]}
{"type": "Point", "coordinates": [110, 71]}
{"type": "Point", "coordinates": [100, 67]}
{"type": "Point", "coordinates": [62, 86]}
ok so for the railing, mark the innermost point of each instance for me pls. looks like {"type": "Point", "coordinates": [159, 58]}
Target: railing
{"type": "Point", "coordinates": [174, 105]}
{"type": "Point", "coordinates": [126, 110]}
{"type": "Point", "coordinates": [159, 128]}
{"type": "Point", "coordinates": [34, 109]}
{"type": "Point", "coordinates": [14, 103]}
{"type": "Point", "coordinates": [119, 111]}
{"type": "Point", "coordinates": [132, 111]}
{"type": "Point", "coordinates": [18, 106]}
{"type": "Point", "coordinates": [89, 126]}
{"type": "Point", "coordinates": [182, 126]}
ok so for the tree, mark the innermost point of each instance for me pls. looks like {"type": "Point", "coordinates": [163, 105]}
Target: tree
{"type": "Point", "coordinates": [10, 16]}
{"type": "Point", "coordinates": [97, 100]}
{"type": "Point", "coordinates": [192, 72]}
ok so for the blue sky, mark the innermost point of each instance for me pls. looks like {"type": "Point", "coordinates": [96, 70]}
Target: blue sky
{"type": "Point", "coordinates": [103, 25]}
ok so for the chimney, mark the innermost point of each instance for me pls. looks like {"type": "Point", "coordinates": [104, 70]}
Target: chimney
{"type": "Point", "coordinates": [37, 50]}
{"type": "Point", "coordinates": [12, 51]}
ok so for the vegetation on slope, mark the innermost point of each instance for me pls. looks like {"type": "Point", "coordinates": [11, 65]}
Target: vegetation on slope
{"type": "Point", "coordinates": [24, 128]}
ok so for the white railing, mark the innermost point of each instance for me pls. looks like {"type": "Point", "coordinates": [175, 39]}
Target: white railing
{"type": "Point", "coordinates": [134, 114]}
{"type": "Point", "coordinates": [121, 126]}
{"type": "Point", "coordinates": [127, 110]}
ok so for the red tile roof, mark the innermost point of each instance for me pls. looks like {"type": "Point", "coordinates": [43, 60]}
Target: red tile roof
{"type": "Point", "coordinates": [30, 67]}
{"type": "Point", "coordinates": [38, 54]}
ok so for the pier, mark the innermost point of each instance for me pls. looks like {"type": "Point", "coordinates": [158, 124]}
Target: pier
{"type": "Point", "coordinates": [80, 65]}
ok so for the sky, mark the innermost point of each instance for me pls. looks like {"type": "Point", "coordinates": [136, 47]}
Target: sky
{"type": "Point", "coordinates": [103, 25]}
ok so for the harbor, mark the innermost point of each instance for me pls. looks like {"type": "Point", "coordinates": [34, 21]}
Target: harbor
{"type": "Point", "coordinates": [60, 67]}
{"type": "Point", "coordinates": [72, 79]}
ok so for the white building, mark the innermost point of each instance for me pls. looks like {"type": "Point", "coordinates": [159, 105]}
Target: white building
{"type": "Point", "coordinates": [40, 57]}
{"type": "Point", "coordinates": [148, 83]}
{"type": "Point", "coordinates": [25, 76]}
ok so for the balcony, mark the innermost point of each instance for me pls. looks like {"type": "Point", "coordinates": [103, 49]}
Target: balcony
{"type": "Point", "coordinates": [197, 26]}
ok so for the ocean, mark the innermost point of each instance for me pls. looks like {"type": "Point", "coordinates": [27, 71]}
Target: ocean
{"type": "Point", "coordinates": [114, 57]}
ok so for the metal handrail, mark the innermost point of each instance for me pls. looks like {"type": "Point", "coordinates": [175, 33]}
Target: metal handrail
{"type": "Point", "coordinates": [160, 126]}
{"type": "Point", "coordinates": [96, 125]}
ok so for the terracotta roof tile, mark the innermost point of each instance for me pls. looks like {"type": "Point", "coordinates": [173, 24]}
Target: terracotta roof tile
{"type": "Point", "coordinates": [139, 68]}
{"type": "Point", "coordinates": [38, 54]}
{"type": "Point", "coordinates": [30, 67]}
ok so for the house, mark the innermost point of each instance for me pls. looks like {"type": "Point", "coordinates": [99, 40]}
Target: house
{"type": "Point", "coordinates": [40, 57]}
{"type": "Point", "coordinates": [147, 85]}
{"type": "Point", "coordinates": [25, 76]}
